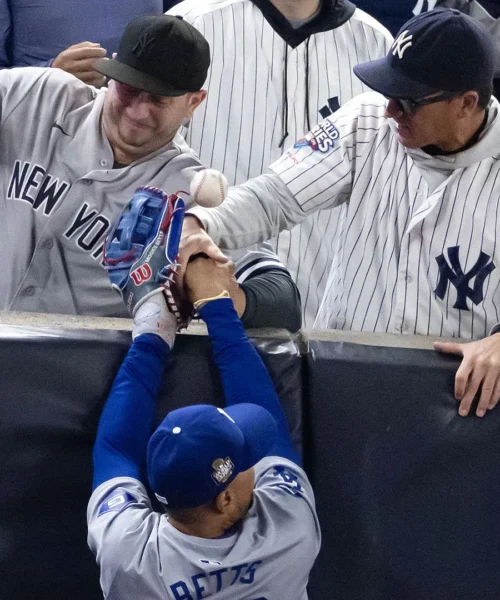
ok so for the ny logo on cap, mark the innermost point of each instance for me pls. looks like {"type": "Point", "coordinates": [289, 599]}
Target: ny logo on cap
{"type": "Point", "coordinates": [401, 44]}
{"type": "Point", "coordinates": [145, 44]}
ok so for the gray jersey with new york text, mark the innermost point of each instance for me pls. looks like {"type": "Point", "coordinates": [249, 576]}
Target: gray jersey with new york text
{"type": "Point", "coordinates": [141, 555]}
{"type": "Point", "coordinates": [59, 194]}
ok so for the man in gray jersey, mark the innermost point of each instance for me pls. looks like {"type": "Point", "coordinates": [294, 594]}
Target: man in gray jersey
{"type": "Point", "coordinates": [419, 174]}
{"type": "Point", "coordinates": [73, 156]}
{"type": "Point", "coordinates": [238, 519]}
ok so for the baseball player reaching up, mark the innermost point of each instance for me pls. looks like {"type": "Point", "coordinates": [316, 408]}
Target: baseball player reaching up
{"type": "Point", "coordinates": [416, 163]}
{"type": "Point", "coordinates": [239, 518]}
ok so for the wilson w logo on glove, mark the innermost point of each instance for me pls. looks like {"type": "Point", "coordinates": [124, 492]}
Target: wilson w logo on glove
{"type": "Point", "coordinates": [141, 251]}
{"type": "Point", "coordinates": [141, 274]}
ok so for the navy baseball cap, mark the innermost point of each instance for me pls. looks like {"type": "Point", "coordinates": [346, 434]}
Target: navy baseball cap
{"type": "Point", "coordinates": [160, 54]}
{"type": "Point", "coordinates": [438, 51]}
{"type": "Point", "coordinates": [197, 451]}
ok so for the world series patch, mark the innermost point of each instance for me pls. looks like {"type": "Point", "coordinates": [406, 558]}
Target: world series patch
{"type": "Point", "coordinates": [321, 138]}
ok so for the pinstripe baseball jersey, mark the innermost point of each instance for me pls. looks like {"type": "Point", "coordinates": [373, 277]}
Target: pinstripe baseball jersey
{"type": "Point", "coordinates": [268, 84]}
{"type": "Point", "coordinates": [417, 251]}
{"type": "Point", "coordinates": [61, 192]}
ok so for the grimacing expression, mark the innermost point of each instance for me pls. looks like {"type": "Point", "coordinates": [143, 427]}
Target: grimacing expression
{"type": "Point", "coordinates": [433, 124]}
{"type": "Point", "coordinates": [142, 122]}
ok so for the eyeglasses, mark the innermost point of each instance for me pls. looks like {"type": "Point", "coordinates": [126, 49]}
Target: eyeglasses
{"type": "Point", "coordinates": [127, 93]}
{"type": "Point", "coordinates": [409, 107]}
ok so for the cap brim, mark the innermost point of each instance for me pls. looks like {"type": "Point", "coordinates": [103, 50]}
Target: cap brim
{"type": "Point", "coordinates": [381, 77]}
{"type": "Point", "coordinates": [114, 69]}
{"type": "Point", "coordinates": [258, 428]}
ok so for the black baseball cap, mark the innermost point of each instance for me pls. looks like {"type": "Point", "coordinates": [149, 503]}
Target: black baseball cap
{"type": "Point", "coordinates": [161, 55]}
{"type": "Point", "coordinates": [442, 50]}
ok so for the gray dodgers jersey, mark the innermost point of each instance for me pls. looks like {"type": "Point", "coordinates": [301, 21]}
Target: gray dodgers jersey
{"type": "Point", "coordinates": [60, 193]}
{"type": "Point", "coordinates": [141, 555]}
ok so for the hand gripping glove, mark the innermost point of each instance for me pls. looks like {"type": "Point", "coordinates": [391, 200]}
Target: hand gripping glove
{"type": "Point", "coordinates": [141, 252]}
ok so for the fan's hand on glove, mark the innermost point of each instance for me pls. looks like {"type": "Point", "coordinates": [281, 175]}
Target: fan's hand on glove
{"type": "Point", "coordinates": [206, 278]}
{"type": "Point", "coordinates": [195, 240]}
{"type": "Point", "coordinates": [141, 256]}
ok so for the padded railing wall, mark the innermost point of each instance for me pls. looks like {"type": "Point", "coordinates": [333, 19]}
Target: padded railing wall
{"type": "Point", "coordinates": [408, 493]}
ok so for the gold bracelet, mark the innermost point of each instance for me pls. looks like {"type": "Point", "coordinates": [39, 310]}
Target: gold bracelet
{"type": "Point", "coordinates": [199, 303]}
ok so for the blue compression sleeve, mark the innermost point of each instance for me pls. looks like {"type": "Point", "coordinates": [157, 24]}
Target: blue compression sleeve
{"type": "Point", "coordinates": [127, 419]}
{"type": "Point", "coordinates": [244, 375]}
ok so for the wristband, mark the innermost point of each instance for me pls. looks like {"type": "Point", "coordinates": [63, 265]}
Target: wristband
{"type": "Point", "coordinates": [199, 303]}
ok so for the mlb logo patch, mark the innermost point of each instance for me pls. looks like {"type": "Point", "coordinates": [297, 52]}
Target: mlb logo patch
{"type": "Point", "coordinates": [117, 501]}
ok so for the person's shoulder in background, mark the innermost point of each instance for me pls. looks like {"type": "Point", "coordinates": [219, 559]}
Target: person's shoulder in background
{"type": "Point", "coordinates": [391, 13]}
{"type": "Point", "coordinates": [190, 9]}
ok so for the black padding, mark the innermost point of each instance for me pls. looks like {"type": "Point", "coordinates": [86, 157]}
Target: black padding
{"type": "Point", "coordinates": [53, 387]}
{"type": "Point", "coordinates": [408, 492]}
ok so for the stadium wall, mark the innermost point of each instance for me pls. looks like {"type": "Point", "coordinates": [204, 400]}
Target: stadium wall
{"type": "Point", "coordinates": [407, 492]}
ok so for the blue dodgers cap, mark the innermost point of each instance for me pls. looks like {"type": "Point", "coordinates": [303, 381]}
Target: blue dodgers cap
{"type": "Point", "coordinates": [198, 450]}
{"type": "Point", "coordinates": [438, 51]}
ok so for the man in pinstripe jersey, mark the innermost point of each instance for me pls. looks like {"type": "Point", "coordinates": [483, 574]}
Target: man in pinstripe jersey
{"type": "Point", "coordinates": [279, 67]}
{"type": "Point", "coordinates": [419, 173]}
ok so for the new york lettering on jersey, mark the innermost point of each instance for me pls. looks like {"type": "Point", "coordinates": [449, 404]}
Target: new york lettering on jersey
{"type": "Point", "coordinates": [31, 183]}
{"type": "Point", "coordinates": [60, 194]}
{"type": "Point", "coordinates": [241, 129]}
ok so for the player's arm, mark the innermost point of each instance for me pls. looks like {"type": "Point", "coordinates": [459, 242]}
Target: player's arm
{"type": "Point", "coordinates": [127, 418]}
{"type": "Point", "coordinates": [244, 376]}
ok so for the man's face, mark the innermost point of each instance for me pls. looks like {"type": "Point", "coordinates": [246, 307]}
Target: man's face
{"type": "Point", "coordinates": [139, 123]}
{"type": "Point", "coordinates": [433, 124]}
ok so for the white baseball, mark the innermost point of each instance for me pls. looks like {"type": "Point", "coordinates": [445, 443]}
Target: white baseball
{"type": "Point", "coordinates": [208, 188]}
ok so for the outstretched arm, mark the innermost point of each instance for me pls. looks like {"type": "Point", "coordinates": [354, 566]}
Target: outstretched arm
{"type": "Point", "coordinates": [244, 376]}
{"type": "Point", "coordinates": [127, 419]}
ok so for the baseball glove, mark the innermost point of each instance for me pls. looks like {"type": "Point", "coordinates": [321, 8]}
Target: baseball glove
{"type": "Point", "coordinates": [141, 252]}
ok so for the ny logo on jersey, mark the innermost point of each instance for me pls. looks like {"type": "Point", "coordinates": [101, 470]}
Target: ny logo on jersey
{"type": "Point", "coordinates": [401, 44]}
{"type": "Point", "coordinates": [454, 274]}
{"type": "Point", "coordinates": [332, 106]}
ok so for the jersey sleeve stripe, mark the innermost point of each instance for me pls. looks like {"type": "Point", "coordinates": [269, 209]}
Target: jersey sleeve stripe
{"type": "Point", "coordinates": [257, 267]}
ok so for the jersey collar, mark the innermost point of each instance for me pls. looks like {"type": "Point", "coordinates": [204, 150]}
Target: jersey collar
{"type": "Point", "coordinates": [332, 14]}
